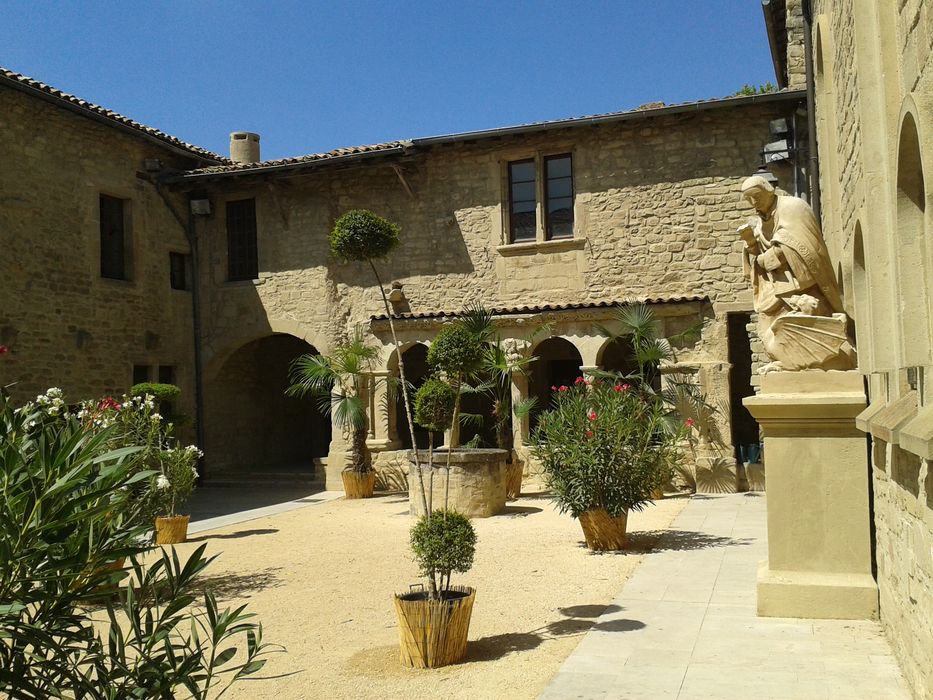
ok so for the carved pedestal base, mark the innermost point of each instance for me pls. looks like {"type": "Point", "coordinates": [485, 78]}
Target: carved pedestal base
{"type": "Point", "coordinates": [819, 547]}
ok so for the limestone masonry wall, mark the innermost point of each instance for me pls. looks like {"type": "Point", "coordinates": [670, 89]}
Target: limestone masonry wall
{"type": "Point", "coordinates": [882, 69]}
{"type": "Point", "coordinates": [60, 319]}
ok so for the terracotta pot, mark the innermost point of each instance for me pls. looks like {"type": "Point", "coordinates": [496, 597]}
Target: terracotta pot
{"type": "Point", "coordinates": [603, 533]}
{"type": "Point", "coordinates": [434, 633]}
{"type": "Point", "coordinates": [171, 529]}
{"type": "Point", "coordinates": [358, 484]}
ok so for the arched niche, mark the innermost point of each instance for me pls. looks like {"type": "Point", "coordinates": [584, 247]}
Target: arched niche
{"type": "Point", "coordinates": [415, 358]}
{"type": "Point", "coordinates": [913, 288]}
{"type": "Point", "coordinates": [250, 424]}
{"type": "Point", "coordinates": [557, 363]}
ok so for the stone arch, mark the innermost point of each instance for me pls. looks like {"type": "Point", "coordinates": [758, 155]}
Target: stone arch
{"type": "Point", "coordinates": [415, 355]}
{"type": "Point", "coordinates": [826, 111]}
{"type": "Point", "coordinates": [217, 354]}
{"type": "Point", "coordinates": [558, 363]}
{"type": "Point", "coordinates": [251, 426]}
{"type": "Point", "coordinates": [911, 212]}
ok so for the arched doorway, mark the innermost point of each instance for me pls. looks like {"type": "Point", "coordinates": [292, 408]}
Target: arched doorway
{"type": "Point", "coordinates": [250, 424]}
{"type": "Point", "coordinates": [557, 364]}
{"type": "Point", "coordinates": [416, 371]}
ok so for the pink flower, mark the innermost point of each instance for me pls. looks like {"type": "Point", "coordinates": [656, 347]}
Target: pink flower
{"type": "Point", "coordinates": [553, 387]}
{"type": "Point", "coordinates": [4, 349]}
{"type": "Point", "coordinates": [591, 415]}
{"type": "Point", "coordinates": [626, 387]}
{"type": "Point", "coordinates": [108, 402]}
{"type": "Point", "coordinates": [589, 433]}
{"type": "Point", "coordinates": [563, 388]}
{"type": "Point", "coordinates": [690, 422]}
{"type": "Point", "coordinates": [578, 381]}
{"type": "Point", "coordinates": [617, 387]}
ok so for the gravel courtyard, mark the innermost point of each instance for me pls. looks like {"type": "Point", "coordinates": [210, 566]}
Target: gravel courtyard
{"type": "Point", "coordinates": [321, 580]}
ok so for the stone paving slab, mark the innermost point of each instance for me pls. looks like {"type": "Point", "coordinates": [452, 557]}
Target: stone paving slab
{"type": "Point", "coordinates": [685, 627]}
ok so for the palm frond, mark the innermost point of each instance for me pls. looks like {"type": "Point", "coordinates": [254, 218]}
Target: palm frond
{"type": "Point", "coordinates": [524, 407]}
{"type": "Point", "coordinates": [472, 420]}
{"type": "Point", "coordinates": [349, 412]}
{"type": "Point", "coordinates": [311, 374]}
{"type": "Point", "coordinates": [478, 321]}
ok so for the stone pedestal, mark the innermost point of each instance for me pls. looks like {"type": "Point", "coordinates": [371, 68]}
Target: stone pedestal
{"type": "Point", "coordinates": [478, 480]}
{"type": "Point", "coordinates": [819, 542]}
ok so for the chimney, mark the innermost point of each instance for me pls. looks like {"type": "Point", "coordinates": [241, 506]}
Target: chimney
{"type": "Point", "coordinates": [244, 147]}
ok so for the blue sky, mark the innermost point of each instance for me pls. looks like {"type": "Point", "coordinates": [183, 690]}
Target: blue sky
{"type": "Point", "coordinates": [311, 76]}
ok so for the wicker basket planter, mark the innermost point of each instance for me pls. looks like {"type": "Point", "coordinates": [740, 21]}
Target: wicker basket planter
{"type": "Point", "coordinates": [603, 533]}
{"type": "Point", "coordinates": [513, 488]}
{"type": "Point", "coordinates": [358, 484]}
{"type": "Point", "coordinates": [172, 529]}
{"type": "Point", "coordinates": [433, 633]}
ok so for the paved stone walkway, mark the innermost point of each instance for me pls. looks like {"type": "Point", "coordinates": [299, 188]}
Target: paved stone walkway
{"type": "Point", "coordinates": [214, 507]}
{"type": "Point", "coordinates": [684, 626]}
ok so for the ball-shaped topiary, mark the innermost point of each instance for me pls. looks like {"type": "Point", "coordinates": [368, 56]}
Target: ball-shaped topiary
{"type": "Point", "coordinates": [442, 542]}
{"type": "Point", "coordinates": [455, 351]}
{"type": "Point", "coordinates": [434, 405]}
{"type": "Point", "coordinates": [360, 235]}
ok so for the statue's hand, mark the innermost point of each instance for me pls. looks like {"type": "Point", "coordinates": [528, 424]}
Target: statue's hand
{"type": "Point", "coordinates": [747, 232]}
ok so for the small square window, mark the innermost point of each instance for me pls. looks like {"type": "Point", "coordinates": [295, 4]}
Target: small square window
{"type": "Point", "coordinates": [141, 374]}
{"type": "Point", "coordinates": [178, 270]}
{"type": "Point", "coordinates": [166, 374]}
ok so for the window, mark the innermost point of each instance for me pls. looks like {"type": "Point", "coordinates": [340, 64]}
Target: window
{"type": "Point", "coordinates": [112, 238]}
{"type": "Point", "coordinates": [166, 374]}
{"type": "Point", "coordinates": [555, 190]}
{"type": "Point", "coordinates": [522, 200]}
{"type": "Point", "coordinates": [242, 257]}
{"type": "Point", "coordinates": [178, 270]}
{"type": "Point", "coordinates": [140, 374]}
{"type": "Point", "coordinates": [558, 197]}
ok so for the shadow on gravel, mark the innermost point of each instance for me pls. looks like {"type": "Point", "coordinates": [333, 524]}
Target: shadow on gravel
{"type": "Point", "coordinates": [234, 535]}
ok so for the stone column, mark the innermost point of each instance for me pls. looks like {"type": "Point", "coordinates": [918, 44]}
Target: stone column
{"type": "Point", "coordinates": [338, 457]}
{"type": "Point", "coordinates": [819, 542]}
{"type": "Point", "coordinates": [382, 434]}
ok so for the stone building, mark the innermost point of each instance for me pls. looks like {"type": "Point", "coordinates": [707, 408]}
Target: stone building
{"type": "Point", "coordinates": [872, 79]}
{"type": "Point", "coordinates": [129, 245]}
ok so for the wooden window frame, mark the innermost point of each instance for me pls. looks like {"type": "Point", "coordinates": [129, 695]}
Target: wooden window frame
{"type": "Point", "coordinates": [108, 237]}
{"type": "Point", "coordinates": [546, 213]}
{"type": "Point", "coordinates": [509, 167]}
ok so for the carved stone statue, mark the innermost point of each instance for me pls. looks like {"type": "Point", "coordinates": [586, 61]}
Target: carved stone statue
{"type": "Point", "coordinates": [800, 316]}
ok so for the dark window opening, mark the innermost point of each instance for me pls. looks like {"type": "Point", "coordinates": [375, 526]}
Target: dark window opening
{"type": "Point", "coordinates": [178, 270]}
{"type": "Point", "coordinates": [242, 252]}
{"type": "Point", "coordinates": [140, 374]}
{"type": "Point", "coordinates": [522, 201]}
{"type": "Point", "coordinates": [112, 238]}
{"type": "Point", "coordinates": [166, 375]}
{"type": "Point", "coordinates": [558, 196]}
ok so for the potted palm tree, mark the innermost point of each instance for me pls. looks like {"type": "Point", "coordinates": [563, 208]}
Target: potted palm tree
{"type": "Point", "coordinates": [348, 370]}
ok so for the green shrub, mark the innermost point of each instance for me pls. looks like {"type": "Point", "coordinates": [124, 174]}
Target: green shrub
{"type": "Point", "coordinates": [161, 393]}
{"type": "Point", "coordinates": [434, 405]}
{"type": "Point", "coordinates": [443, 542]}
{"type": "Point", "coordinates": [360, 235]}
{"type": "Point", "coordinates": [455, 351]}
{"type": "Point", "coordinates": [68, 517]}
{"type": "Point", "coordinates": [605, 445]}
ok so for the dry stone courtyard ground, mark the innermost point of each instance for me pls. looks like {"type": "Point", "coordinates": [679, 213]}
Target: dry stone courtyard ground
{"type": "Point", "coordinates": [321, 580]}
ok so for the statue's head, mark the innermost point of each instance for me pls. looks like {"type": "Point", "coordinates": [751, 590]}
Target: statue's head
{"type": "Point", "coordinates": [759, 193]}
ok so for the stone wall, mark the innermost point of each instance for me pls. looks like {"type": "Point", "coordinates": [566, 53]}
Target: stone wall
{"type": "Point", "coordinates": [880, 74]}
{"type": "Point", "coordinates": [65, 325]}
{"type": "Point", "coordinates": [656, 209]}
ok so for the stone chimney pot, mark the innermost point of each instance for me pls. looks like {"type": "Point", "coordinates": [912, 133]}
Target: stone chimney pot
{"type": "Point", "coordinates": [244, 147]}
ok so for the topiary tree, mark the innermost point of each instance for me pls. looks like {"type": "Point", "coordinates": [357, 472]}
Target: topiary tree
{"type": "Point", "coordinates": [442, 542]}
{"type": "Point", "coordinates": [435, 402]}
{"type": "Point", "coordinates": [361, 236]}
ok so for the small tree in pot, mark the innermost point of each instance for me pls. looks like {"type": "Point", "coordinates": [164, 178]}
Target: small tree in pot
{"type": "Point", "coordinates": [348, 369]}
{"type": "Point", "coordinates": [604, 447]}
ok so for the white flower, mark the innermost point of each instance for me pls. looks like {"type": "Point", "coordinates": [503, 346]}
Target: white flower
{"type": "Point", "coordinates": [30, 424]}
{"type": "Point", "coordinates": [193, 449]}
{"type": "Point", "coordinates": [162, 482]}
{"type": "Point", "coordinates": [155, 417]}
{"type": "Point", "coordinates": [194, 472]}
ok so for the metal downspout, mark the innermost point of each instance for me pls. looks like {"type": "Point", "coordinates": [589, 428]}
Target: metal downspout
{"type": "Point", "coordinates": [813, 155]}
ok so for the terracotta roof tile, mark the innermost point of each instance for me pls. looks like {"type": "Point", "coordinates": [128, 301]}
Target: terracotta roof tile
{"type": "Point", "coordinates": [28, 83]}
{"type": "Point", "coordinates": [544, 308]}
{"type": "Point", "coordinates": [329, 155]}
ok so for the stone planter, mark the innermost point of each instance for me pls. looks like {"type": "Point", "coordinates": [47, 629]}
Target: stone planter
{"type": "Point", "coordinates": [358, 484]}
{"type": "Point", "coordinates": [602, 532]}
{"type": "Point", "coordinates": [478, 482]}
{"type": "Point", "coordinates": [171, 529]}
{"type": "Point", "coordinates": [433, 633]}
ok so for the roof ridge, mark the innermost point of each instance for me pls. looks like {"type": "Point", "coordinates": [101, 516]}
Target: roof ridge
{"type": "Point", "coordinates": [24, 81]}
